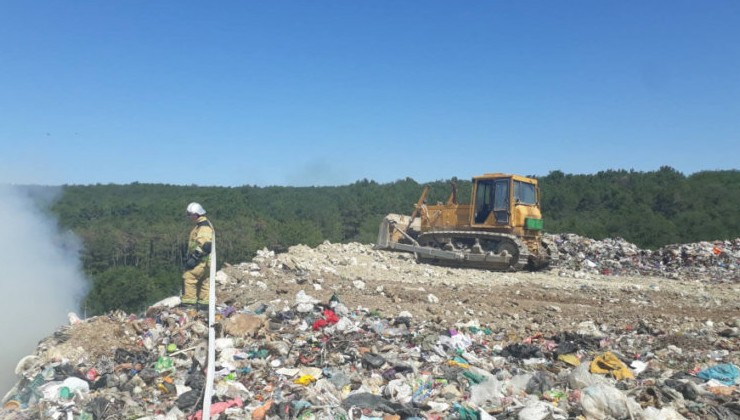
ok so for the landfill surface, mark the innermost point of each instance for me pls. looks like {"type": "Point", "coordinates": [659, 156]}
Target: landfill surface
{"type": "Point", "coordinates": [344, 331]}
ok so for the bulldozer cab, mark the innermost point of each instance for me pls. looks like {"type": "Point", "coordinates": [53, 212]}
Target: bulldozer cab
{"type": "Point", "coordinates": [504, 200]}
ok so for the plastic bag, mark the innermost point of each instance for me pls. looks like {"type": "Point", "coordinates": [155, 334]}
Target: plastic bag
{"type": "Point", "coordinates": [540, 410]}
{"type": "Point", "coordinates": [580, 377]}
{"type": "Point", "coordinates": [486, 393]}
{"type": "Point", "coordinates": [605, 401]}
{"type": "Point", "coordinates": [665, 413]}
{"type": "Point", "coordinates": [725, 373]}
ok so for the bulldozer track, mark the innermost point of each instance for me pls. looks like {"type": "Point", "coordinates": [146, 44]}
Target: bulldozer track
{"type": "Point", "coordinates": [438, 238]}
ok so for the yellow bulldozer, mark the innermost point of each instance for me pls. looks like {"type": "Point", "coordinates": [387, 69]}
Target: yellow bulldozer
{"type": "Point", "coordinates": [500, 230]}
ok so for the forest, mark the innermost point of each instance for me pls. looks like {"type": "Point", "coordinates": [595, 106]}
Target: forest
{"type": "Point", "coordinates": [135, 235]}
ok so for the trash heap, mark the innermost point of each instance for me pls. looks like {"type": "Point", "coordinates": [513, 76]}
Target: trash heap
{"type": "Point", "coordinates": [321, 360]}
{"type": "Point", "coordinates": [325, 333]}
{"type": "Point", "coordinates": [717, 261]}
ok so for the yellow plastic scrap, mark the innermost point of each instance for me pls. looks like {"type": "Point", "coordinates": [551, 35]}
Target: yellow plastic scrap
{"type": "Point", "coordinates": [608, 363]}
{"type": "Point", "coordinates": [305, 380]}
{"type": "Point", "coordinates": [570, 359]}
{"type": "Point", "coordinates": [455, 363]}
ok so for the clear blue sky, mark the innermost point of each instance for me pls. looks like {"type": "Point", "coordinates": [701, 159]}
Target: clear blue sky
{"type": "Point", "coordinates": [329, 92]}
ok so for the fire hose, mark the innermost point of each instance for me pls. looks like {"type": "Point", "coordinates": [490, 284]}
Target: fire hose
{"type": "Point", "coordinates": [210, 366]}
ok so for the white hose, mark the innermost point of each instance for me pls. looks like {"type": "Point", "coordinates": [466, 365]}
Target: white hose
{"type": "Point", "coordinates": [211, 364]}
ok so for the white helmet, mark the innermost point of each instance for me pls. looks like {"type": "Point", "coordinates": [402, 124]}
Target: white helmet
{"type": "Point", "coordinates": [195, 208]}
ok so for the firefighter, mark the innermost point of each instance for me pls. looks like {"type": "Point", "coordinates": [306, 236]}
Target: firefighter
{"type": "Point", "coordinates": [195, 279]}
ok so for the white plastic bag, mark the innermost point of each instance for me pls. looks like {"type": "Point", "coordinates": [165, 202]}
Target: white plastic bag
{"type": "Point", "coordinates": [534, 409]}
{"type": "Point", "coordinates": [665, 413]}
{"type": "Point", "coordinates": [603, 401]}
{"type": "Point", "coordinates": [580, 377]}
{"type": "Point", "coordinates": [488, 392]}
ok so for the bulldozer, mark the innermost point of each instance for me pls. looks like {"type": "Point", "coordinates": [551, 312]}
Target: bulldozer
{"type": "Point", "coordinates": [501, 229]}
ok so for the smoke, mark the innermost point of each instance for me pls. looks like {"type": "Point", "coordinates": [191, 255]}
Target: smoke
{"type": "Point", "coordinates": [41, 279]}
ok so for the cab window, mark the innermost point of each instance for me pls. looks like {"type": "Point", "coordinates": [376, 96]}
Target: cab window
{"type": "Point", "coordinates": [501, 201]}
{"type": "Point", "coordinates": [525, 193]}
{"type": "Point", "coordinates": [483, 201]}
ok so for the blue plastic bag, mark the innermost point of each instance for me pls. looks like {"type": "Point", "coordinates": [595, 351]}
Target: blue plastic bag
{"type": "Point", "coordinates": [725, 373]}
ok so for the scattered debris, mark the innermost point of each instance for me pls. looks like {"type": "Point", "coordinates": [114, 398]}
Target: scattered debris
{"type": "Point", "coordinates": [611, 332]}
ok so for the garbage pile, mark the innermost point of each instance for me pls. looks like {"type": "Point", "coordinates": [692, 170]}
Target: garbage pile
{"type": "Point", "coordinates": [717, 261]}
{"type": "Point", "coordinates": [343, 331]}
{"type": "Point", "coordinates": [322, 360]}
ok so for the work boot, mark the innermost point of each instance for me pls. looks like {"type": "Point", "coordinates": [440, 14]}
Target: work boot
{"type": "Point", "coordinates": [190, 309]}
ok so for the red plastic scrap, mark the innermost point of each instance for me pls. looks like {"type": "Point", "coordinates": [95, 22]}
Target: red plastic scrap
{"type": "Point", "coordinates": [533, 338]}
{"type": "Point", "coordinates": [329, 318]}
{"type": "Point", "coordinates": [218, 408]}
{"type": "Point", "coordinates": [91, 374]}
{"type": "Point", "coordinates": [306, 360]}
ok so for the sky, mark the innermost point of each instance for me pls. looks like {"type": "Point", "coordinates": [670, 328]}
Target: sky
{"type": "Point", "coordinates": [304, 93]}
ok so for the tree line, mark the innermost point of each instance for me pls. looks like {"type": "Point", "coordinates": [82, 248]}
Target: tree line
{"type": "Point", "coordinates": [135, 235]}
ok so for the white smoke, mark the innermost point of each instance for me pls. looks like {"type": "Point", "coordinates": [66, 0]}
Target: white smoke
{"type": "Point", "coordinates": [41, 279]}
